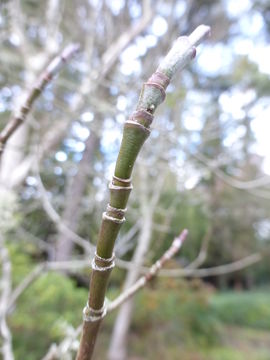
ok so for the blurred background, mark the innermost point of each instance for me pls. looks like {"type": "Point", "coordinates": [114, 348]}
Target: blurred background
{"type": "Point", "coordinates": [205, 167]}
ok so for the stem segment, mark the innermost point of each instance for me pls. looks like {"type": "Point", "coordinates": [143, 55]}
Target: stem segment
{"type": "Point", "coordinates": [136, 131]}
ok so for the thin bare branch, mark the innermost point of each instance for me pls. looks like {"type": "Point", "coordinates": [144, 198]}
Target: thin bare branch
{"type": "Point", "coordinates": [112, 53]}
{"type": "Point", "coordinates": [123, 244]}
{"type": "Point", "coordinates": [238, 184]}
{"type": "Point", "coordinates": [26, 282]}
{"type": "Point", "coordinates": [215, 270]}
{"type": "Point", "coordinates": [56, 218]}
{"type": "Point", "coordinates": [172, 251]}
{"type": "Point", "coordinates": [52, 69]}
{"type": "Point", "coordinates": [77, 264]}
{"type": "Point", "coordinates": [200, 259]}
{"type": "Point", "coordinates": [41, 269]}
{"type": "Point", "coordinates": [5, 288]}
{"type": "Point", "coordinates": [56, 351]}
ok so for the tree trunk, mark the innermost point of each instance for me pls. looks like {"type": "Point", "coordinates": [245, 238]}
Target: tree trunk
{"type": "Point", "coordinates": [118, 346]}
{"type": "Point", "coordinates": [74, 194]}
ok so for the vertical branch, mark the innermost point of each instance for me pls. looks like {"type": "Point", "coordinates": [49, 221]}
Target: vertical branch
{"type": "Point", "coordinates": [5, 333]}
{"type": "Point", "coordinates": [118, 347]}
{"type": "Point", "coordinates": [136, 131]}
{"type": "Point", "coordinates": [71, 213]}
{"type": "Point", "coordinates": [112, 53]}
{"type": "Point", "coordinates": [53, 20]}
{"type": "Point", "coordinates": [65, 244]}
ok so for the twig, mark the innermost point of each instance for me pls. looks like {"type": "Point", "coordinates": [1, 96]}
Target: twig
{"type": "Point", "coordinates": [41, 269]}
{"type": "Point", "coordinates": [56, 218]}
{"type": "Point", "coordinates": [29, 279]}
{"type": "Point", "coordinates": [261, 194]}
{"type": "Point", "coordinates": [215, 270]}
{"type": "Point", "coordinates": [77, 264]}
{"type": "Point", "coordinates": [112, 53]}
{"type": "Point", "coordinates": [52, 69]}
{"type": "Point", "coordinates": [171, 252]}
{"type": "Point", "coordinates": [56, 351]}
{"type": "Point", "coordinates": [213, 165]}
{"type": "Point", "coordinates": [59, 351]}
{"type": "Point", "coordinates": [37, 241]}
{"type": "Point", "coordinates": [123, 245]}
{"type": "Point", "coordinates": [238, 184]}
{"type": "Point", "coordinates": [203, 251]}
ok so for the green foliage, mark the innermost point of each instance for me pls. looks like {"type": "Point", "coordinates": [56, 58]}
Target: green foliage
{"type": "Point", "coordinates": [43, 312]}
{"type": "Point", "coordinates": [189, 210]}
{"type": "Point", "coordinates": [183, 308]}
{"type": "Point", "coordinates": [249, 309]}
{"type": "Point", "coordinates": [177, 318]}
{"type": "Point", "coordinates": [22, 263]}
{"type": "Point", "coordinates": [186, 320]}
{"type": "Point", "coordinates": [226, 353]}
{"type": "Point", "coordinates": [256, 78]}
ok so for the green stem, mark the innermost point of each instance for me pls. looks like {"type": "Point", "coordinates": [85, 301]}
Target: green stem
{"type": "Point", "coordinates": [136, 131]}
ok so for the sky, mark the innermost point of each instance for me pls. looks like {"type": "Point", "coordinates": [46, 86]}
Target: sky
{"type": "Point", "coordinates": [212, 59]}
{"type": "Point", "coordinates": [216, 59]}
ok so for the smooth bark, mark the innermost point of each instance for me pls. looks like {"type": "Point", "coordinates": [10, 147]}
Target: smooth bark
{"type": "Point", "coordinates": [136, 131]}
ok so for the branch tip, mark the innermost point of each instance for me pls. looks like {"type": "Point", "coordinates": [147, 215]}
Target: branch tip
{"type": "Point", "coordinates": [70, 50]}
{"type": "Point", "coordinates": [178, 241]}
{"type": "Point", "coordinates": [183, 235]}
{"type": "Point", "coordinates": [200, 33]}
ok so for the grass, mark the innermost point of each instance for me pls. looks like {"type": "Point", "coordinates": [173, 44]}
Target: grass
{"type": "Point", "coordinates": [172, 320]}
{"type": "Point", "coordinates": [242, 333]}
{"type": "Point", "coordinates": [249, 309]}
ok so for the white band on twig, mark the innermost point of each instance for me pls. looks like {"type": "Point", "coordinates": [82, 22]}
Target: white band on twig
{"type": "Point", "coordinates": [92, 315]}
{"type": "Point", "coordinates": [113, 219]}
{"type": "Point", "coordinates": [131, 122]}
{"type": "Point", "coordinates": [117, 187]}
{"type": "Point", "coordinates": [122, 180]}
{"type": "Point", "coordinates": [102, 268]}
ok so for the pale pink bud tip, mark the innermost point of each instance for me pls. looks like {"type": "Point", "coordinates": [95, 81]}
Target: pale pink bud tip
{"type": "Point", "coordinates": [183, 235]}
{"type": "Point", "coordinates": [70, 50]}
{"type": "Point", "coordinates": [200, 33]}
{"type": "Point", "coordinates": [207, 30]}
